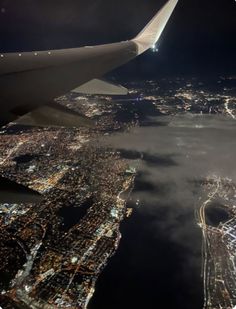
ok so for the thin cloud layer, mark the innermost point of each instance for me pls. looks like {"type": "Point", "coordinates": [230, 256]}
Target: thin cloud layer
{"type": "Point", "coordinates": [176, 157]}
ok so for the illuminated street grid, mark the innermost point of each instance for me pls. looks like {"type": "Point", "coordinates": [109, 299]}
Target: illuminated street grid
{"type": "Point", "coordinates": [46, 260]}
{"type": "Point", "coordinates": [219, 244]}
{"type": "Point", "coordinates": [52, 253]}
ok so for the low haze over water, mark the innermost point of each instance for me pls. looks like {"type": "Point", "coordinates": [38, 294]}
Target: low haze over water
{"type": "Point", "coordinates": [159, 261]}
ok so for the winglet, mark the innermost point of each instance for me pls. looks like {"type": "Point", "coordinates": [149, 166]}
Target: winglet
{"type": "Point", "coordinates": [152, 32]}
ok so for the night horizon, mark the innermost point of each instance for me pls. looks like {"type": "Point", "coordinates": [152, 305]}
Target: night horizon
{"type": "Point", "coordinates": [199, 39]}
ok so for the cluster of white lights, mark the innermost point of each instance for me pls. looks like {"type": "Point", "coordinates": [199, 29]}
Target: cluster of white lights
{"type": "Point", "coordinates": [154, 48]}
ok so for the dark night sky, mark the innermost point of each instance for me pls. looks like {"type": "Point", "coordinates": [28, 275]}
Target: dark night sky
{"type": "Point", "coordinates": [200, 37]}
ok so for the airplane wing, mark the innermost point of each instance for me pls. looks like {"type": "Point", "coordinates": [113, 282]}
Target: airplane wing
{"type": "Point", "coordinates": [32, 79]}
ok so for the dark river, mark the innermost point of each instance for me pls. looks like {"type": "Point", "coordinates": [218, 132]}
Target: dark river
{"type": "Point", "coordinates": [158, 263]}
{"type": "Point", "coordinates": [150, 268]}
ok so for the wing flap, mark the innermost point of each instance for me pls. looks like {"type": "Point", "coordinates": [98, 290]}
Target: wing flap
{"type": "Point", "coordinates": [98, 86]}
{"type": "Point", "coordinates": [54, 115]}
